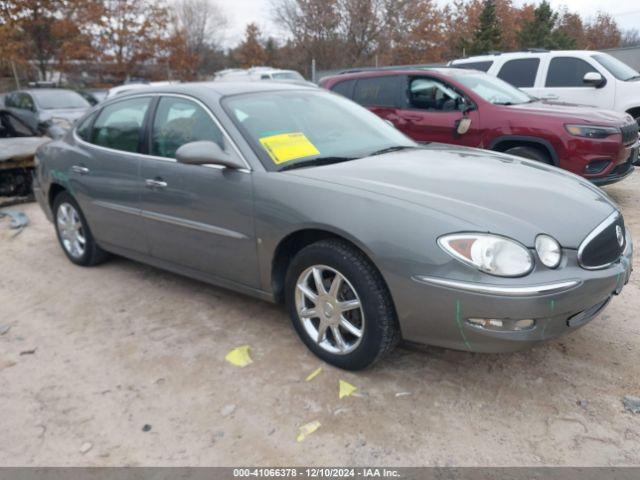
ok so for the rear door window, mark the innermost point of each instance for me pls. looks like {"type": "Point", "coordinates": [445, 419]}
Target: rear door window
{"type": "Point", "coordinates": [119, 125]}
{"type": "Point", "coordinates": [568, 72]}
{"type": "Point", "coordinates": [380, 91]}
{"type": "Point", "coordinates": [482, 66]}
{"type": "Point", "coordinates": [521, 72]}
{"type": "Point", "coordinates": [344, 88]}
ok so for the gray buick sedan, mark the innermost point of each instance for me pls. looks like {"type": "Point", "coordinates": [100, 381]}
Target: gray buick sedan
{"type": "Point", "coordinates": [297, 195]}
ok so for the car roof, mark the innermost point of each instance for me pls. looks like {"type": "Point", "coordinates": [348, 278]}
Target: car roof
{"type": "Point", "coordinates": [222, 89]}
{"type": "Point", "coordinates": [524, 53]}
{"type": "Point", "coordinates": [443, 71]}
{"type": "Point", "coordinates": [43, 90]}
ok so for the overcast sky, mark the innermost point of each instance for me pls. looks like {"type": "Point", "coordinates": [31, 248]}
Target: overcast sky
{"type": "Point", "coordinates": [241, 12]}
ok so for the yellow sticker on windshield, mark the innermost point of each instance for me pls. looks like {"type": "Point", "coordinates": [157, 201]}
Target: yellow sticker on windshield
{"type": "Point", "coordinates": [288, 146]}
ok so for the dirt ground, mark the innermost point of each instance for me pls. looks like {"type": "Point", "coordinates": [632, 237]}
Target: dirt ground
{"type": "Point", "coordinates": [95, 354]}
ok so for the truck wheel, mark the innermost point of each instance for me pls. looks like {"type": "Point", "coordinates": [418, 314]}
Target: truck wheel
{"type": "Point", "coordinates": [530, 153]}
{"type": "Point", "coordinates": [340, 305]}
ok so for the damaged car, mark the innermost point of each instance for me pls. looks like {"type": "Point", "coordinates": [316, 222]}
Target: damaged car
{"type": "Point", "coordinates": [296, 195]}
{"type": "Point", "coordinates": [49, 111]}
{"type": "Point", "coordinates": [18, 144]}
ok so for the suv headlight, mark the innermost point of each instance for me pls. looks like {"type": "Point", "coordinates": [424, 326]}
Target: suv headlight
{"type": "Point", "coordinates": [489, 253]}
{"type": "Point", "coordinates": [589, 131]}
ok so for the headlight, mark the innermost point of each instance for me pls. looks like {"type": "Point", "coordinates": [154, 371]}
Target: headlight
{"type": "Point", "coordinates": [588, 131]}
{"type": "Point", "coordinates": [491, 254]}
{"type": "Point", "coordinates": [548, 250]}
{"type": "Point", "coordinates": [61, 122]}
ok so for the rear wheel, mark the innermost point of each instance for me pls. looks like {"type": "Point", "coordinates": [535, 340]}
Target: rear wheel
{"type": "Point", "coordinates": [531, 153]}
{"type": "Point", "coordinates": [74, 234]}
{"type": "Point", "coordinates": [340, 305]}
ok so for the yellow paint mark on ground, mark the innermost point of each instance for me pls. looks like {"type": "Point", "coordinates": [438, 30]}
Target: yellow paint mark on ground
{"type": "Point", "coordinates": [345, 389]}
{"type": "Point", "coordinates": [239, 356]}
{"type": "Point", "coordinates": [307, 429]}
{"type": "Point", "coordinates": [314, 374]}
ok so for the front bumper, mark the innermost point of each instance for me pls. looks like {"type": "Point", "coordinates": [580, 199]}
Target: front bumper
{"type": "Point", "coordinates": [621, 171]}
{"type": "Point", "coordinates": [439, 309]}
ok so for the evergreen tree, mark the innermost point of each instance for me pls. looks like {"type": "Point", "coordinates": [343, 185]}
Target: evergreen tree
{"type": "Point", "coordinates": [488, 34]}
{"type": "Point", "coordinates": [543, 32]}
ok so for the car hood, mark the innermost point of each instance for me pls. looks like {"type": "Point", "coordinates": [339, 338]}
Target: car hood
{"type": "Point", "coordinates": [480, 190]}
{"type": "Point", "coordinates": [20, 148]}
{"type": "Point", "coordinates": [70, 114]}
{"type": "Point", "coordinates": [573, 113]}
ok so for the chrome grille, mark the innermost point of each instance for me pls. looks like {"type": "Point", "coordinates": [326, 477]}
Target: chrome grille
{"type": "Point", "coordinates": [602, 247]}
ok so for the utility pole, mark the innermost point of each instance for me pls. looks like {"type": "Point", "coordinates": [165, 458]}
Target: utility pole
{"type": "Point", "coordinates": [15, 74]}
{"type": "Point", "coordinates": [313, 70]}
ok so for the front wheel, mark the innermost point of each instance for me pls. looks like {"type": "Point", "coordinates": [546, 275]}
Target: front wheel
{"type": "Point", "coordinates": [530, 153]}
{"type": "Point", "coordinates": [340, 305]}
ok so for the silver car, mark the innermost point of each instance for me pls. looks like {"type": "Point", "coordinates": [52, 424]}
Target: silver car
{"type": "Point", "coordinates": [50, 111]}
{"type": "Point", "coordinates": [297, 195]}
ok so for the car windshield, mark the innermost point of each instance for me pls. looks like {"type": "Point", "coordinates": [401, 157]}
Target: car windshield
{"type": "Point", "coordinates": [493, 89]}
{"type": "Point", "coordinates": [307, 128]}
{"type": "Point", "coordinates": [618, 69]}
{"type": "Point", "coordinates": [59, 99]}
{"type": "Point", "coordinates": [287, 76]}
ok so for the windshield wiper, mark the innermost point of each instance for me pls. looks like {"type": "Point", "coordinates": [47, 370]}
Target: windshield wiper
{"type": "Point", "coordinates": [391, 149]}
{"type": "Point", "coordinates": [315, 162]}
{"type": "Point", "coordinates": [635, 77]}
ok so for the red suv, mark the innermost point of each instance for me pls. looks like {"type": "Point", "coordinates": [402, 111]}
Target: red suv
{"type": "Point", "coordinates": [471, 108]}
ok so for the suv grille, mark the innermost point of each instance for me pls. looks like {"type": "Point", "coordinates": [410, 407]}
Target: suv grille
{"type": "Point", "coordinates": [630, 133]}
{"type": "Point", "coordinates": [602, 247]}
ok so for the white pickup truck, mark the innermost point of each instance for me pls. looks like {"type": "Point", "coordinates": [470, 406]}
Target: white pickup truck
{"type": "Point", "coordinates": [582, 77]}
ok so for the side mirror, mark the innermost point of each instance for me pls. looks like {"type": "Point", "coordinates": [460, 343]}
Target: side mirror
{"type": "Point", "coordinates": [594, 79]}
{"type": "Point", "coordinates": [206, 153]}
{"type": "Point", "coordinates": [462, 126]}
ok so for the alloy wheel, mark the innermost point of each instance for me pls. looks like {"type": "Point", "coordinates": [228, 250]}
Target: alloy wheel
{"type": "Point", "coordinates": [330, 309]}
{"type": "Point", "coordinates": [71, 231]}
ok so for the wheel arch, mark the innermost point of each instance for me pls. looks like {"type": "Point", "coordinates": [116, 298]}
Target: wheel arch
{"type": "Point", "coordinates": [54, 190]}
{"type": "Point", "coordinates": [295, 241]}
{"type": "Point", "coordinates": [506, 142]}
{"type": "Point", "coordinates": [634, 112]}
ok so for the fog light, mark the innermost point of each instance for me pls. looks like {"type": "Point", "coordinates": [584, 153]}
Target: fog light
{"type": "Point", "coordinates": [597, 166]}
{"type": "Point", "coordinates": [502, 325]}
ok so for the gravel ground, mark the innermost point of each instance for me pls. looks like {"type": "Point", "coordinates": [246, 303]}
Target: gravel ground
{"type": "Point", "coordinates": [123, 364]}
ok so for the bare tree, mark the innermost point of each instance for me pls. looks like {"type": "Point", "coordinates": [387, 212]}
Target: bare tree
{"type": "Point", "coordinates": [363, 23]}
{"type": "Point", "coordinates": [199, 26]}
{"type": "Point", "coordinates": [202, 22]}
{"type": "Point", "coordinates": [314, 26]}
{"type": "Point", "coordinates": [630, 38]}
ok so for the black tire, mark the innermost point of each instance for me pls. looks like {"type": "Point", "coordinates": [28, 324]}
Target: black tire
{"type": "Point", "coordinates": [531, 153]}
{"type": "Point", "coordinates": [92, 253]}
{"type": "Point", "coordinates": [380, 332]}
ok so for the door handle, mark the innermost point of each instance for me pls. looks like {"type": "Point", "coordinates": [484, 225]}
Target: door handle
{"type": "Point", "coordinates": [80, 169]}
{"type": "Point", "coordinates": [550, 97]}
{"type": "Point", "coordinates": [153, 183]}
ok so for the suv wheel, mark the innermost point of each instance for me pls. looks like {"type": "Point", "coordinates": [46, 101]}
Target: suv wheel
{"type": "Point", "coordinates": [530, 153]}
{"type": "Point", "coordinates": [74, 234]}
{"type": "Point", "coordinates": [340, 305]}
